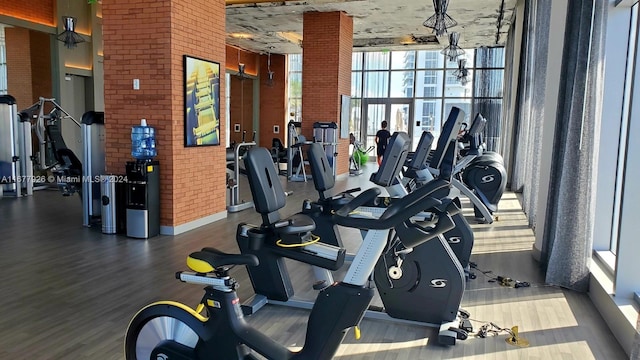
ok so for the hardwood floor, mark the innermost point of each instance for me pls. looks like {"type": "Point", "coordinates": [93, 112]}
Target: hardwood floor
{"type": "Point", "coordinates": [68, 292]}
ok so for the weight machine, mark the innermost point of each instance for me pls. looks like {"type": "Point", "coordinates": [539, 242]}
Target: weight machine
{"type": "Point", "coordinates": [294, 152]}
{"type": "Point", "coordinates": [326, 133]}
{"type": "Point", "coordinates": [53, 157]}
{"type": "Point", "coordinates": [234, 156]}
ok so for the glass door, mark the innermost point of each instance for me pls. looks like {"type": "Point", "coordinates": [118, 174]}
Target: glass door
{"type": "Point", "coordinates": [399, 120]}
{"type": "Point", "coordinates": [397, 112]}
{"type": "Point", "coordinates": [373, 115]}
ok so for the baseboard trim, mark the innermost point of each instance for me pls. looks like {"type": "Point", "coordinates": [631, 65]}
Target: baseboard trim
{"type": "Point", "coordinates": [176, 230]}
{"type": "Point", "coordinates": [536, 253]}
{"type": "Point", "coordinates": [342, 176]}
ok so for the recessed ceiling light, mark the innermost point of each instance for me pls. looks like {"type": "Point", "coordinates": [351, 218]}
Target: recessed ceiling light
{"type": "Point", "coordinates": [291, 37]}
{"type": "Point", "coordinates": [240, 35]}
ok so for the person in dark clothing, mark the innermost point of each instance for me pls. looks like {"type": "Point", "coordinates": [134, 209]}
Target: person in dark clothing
{"type": "Point", "coordinates": [382, 139]}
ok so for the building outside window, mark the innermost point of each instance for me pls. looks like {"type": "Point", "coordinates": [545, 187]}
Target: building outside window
{"type": "Point", "coordinates": [295, 87]}
{"type": "Point", "coordinates": [615, 228]}
{"type": "Point", "coordinates": [427, 82]}
{"type": "Point", "coordinates": [3, 63]}
{"type": "Point", "coordinates": [413, 89]}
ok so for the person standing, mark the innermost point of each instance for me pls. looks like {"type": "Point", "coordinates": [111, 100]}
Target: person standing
{"type": "Point", "coordinates": [382, 139]}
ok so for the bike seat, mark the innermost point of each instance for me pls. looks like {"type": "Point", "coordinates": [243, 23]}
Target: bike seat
{"type": "Point", "coordinates": [208, 259]}
{"type": "Point", "coordinates": [296, 224]}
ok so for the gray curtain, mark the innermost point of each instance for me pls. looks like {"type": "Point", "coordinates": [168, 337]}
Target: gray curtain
{"type": "Point", "coordinates": [568, 233]}
{"type": "Point", "coordinates": [529, 112]}
{"type": "Point", "coordinates": [488, 91]}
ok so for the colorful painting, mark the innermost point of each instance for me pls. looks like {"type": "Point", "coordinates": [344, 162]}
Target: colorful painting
{"type": "Point", "coordinates": [202, 102]}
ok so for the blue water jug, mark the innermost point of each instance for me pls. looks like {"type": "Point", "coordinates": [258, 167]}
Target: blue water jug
{"type": "Point", "coordinates": [143, 141]}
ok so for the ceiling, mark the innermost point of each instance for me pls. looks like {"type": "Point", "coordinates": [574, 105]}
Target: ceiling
{"type": "Point", "coordinates": [377, 24]}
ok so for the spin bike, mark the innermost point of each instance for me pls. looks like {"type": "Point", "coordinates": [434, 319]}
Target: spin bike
{"type": "Point", "coordinates": [217, 328]}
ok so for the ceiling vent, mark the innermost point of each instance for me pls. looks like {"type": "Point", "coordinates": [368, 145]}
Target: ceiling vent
{"type": "Point", "coordinates": [425, 40]}
{"type": "Point", "coordinates": [405, 40]}
{"type": "Point", "coordinates": [371, 42]}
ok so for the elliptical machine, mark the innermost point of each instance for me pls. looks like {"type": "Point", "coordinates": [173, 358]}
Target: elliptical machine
{"type": "Point", "coordinates": [485, 174]}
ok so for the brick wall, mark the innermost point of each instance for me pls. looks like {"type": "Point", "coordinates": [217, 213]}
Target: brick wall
{"type": "Point", "coordinates": [147, 40]}
{"type": "Point", "coordinates": [235, 55]}
{"type": "Point", "coordinates": [241, 108]}
{"type": "Point", "coordinates": [326, 68]}
{"type": "Point", "coordinates": [41, 82]}
{"type": "Point", "coordinates": [38, 11]}
{"type": "Point", "coordinates": [200, 188]}
{"type": "Point", "coordinates": [19, 78]}
{"type": "Point", "coordinates": [273, 102]}
{"type": "Point", "coordinates": [344, 83]}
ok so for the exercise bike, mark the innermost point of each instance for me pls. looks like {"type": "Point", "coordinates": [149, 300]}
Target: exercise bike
{"type": "Point", "coordinates": [433, 260]}
{"type": "Point", "coordinates": [460, 238]}
{"type": "Point", "coordinates": [217, 328]}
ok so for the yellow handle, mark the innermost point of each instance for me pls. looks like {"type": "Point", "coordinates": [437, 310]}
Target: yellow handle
{"type": "Point", "coordinates": [356, 332]}
{"type": "Point", "coordinates": [314, 239]}
{"type": "Point", "coordinates": [200, 308]}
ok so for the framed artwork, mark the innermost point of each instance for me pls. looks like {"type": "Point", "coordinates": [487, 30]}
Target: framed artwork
{"type": "Point", "coordinates": [202, 102]}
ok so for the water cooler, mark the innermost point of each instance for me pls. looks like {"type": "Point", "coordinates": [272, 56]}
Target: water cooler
{"type": "Point", "coordinates": [143, 184]}
{"type": "Point", "coordinates": [143, 199]}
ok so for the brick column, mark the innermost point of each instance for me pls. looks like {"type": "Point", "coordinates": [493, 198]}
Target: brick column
{"type": "Point", "coordinates": [146, 40]}
{"type": "Point", "coordinates": [326, 73]}
{"type": "Point", "coordinates": [273, 104]}
{"type": "Point", "coordinates": [19, 77]}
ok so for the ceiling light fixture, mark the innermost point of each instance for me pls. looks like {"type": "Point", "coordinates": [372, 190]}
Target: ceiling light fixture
{"type": "Point", "coordinates": [462, 74]}
{"type": "Point", "coordinates": [440, 21]}
{"type": "Point", "coordinates": [499, 22]}
{"type": "Point", "coordinates": [69, 36]}
{"type": "Point", "coordinates": [240, 35]}
{"type": "Point", "coordinates": [269, 72]}
{"type": "Point", "coordinates": [453, 50]}
{"type": "Point", "coordinates": [291, 36]}
{"type": "Point", "coordinates": [241, 66]}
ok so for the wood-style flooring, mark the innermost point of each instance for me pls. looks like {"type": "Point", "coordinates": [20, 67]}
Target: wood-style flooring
{"type": "Point", "coordinates": [68, 292]}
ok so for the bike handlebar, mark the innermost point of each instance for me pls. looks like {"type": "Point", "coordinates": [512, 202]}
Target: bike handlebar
{"type": "Point", "coordinates": [404, 208]}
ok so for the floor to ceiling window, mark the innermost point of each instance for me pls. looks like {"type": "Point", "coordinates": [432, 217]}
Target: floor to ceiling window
{"type": "Point", "coordinates": [488, 90]}
{"type": "Point", "coordinates": [413, 90]}
{"type": "Point", "coordinates": [624, 129]}
{"type": "Point", "coordinates": [3, 63]}
{"type": "Point", "coordinates": [295, 87]}
{"type": "Point", "coordinates": [620, 252]}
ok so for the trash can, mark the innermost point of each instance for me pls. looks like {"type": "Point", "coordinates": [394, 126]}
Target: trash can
{"type": "Point", "coordinates": [113, 191]}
